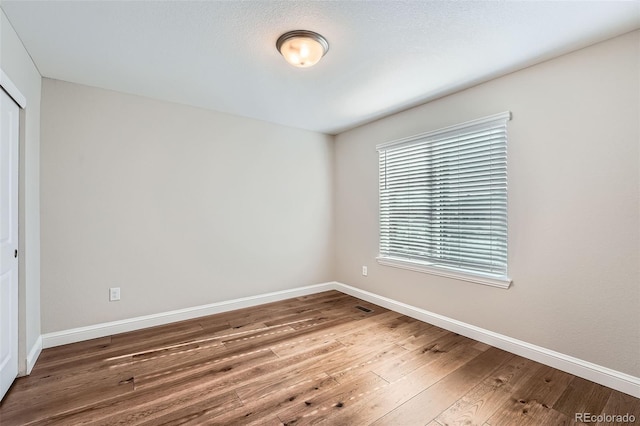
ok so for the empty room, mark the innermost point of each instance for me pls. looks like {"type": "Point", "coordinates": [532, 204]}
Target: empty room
{"type": "Point", "coordinates": [319, 212]}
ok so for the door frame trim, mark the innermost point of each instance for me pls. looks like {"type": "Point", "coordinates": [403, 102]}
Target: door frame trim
{"type": "Point", "coordinates": [12, 90]}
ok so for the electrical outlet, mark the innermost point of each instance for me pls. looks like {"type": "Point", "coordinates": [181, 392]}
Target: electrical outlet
{"type": "Point", "coordinates": [114, 294]}
{"type": "Point", "coordinates": [364, 271]}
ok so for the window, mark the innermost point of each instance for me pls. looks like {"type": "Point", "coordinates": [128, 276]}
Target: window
{"type": "Point", "coordinates": [443, 201]}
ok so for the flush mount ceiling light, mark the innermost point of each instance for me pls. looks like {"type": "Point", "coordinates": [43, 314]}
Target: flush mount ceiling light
{"type": "Point", "coordinates": [302, 48]}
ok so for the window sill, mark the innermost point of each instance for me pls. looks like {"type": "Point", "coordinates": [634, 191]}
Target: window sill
{"type": "Point", "coordinates": [444, 272]}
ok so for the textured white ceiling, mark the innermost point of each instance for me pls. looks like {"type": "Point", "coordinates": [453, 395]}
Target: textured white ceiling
{"type": "Point", "coordinates": [384, 56]}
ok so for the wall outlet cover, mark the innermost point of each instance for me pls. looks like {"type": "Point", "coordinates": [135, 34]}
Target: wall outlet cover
{"type": "Point", "coordinates": [114, 294]}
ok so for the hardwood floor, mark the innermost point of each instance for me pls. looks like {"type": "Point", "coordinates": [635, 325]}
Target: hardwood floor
{"type": "Point", "coordinates": [311, 360]}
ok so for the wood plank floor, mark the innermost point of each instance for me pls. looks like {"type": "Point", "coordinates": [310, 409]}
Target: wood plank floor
{"type": "Point", "coordinates": [311, 360]}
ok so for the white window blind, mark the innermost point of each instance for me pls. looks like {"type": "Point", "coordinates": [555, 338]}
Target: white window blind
{"type": "Point", "coordinates": [443, 198]}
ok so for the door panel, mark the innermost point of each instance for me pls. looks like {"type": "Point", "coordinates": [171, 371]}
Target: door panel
{"type": "Point", "coordinates": [9, 121]}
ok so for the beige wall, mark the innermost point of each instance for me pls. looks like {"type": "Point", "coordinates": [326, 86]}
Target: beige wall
{"type": "Point", "coordinates": [176, 205]}
{"type": "Point", "coordinates": [17, 64]}
{"type": "Point", "coordinates": [574, 194]}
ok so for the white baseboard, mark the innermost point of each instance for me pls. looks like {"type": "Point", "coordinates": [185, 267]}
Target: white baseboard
{"type": "Point", "coordinates": [587, 370]}
{"type": "Point", "coordinates": [33, 355]}
{"type": "Point", "coordinates": [79, 334]}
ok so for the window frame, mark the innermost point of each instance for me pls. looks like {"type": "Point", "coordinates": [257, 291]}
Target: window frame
{"type": "Point", "coordinates": [434, 268]}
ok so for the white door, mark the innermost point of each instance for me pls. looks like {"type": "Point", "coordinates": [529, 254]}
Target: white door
{"type": "Point", "coordinates": [9, 121]}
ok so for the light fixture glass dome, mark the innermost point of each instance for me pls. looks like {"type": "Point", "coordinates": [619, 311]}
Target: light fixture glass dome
{"type": "Point", "coordinates": [302, 48]}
